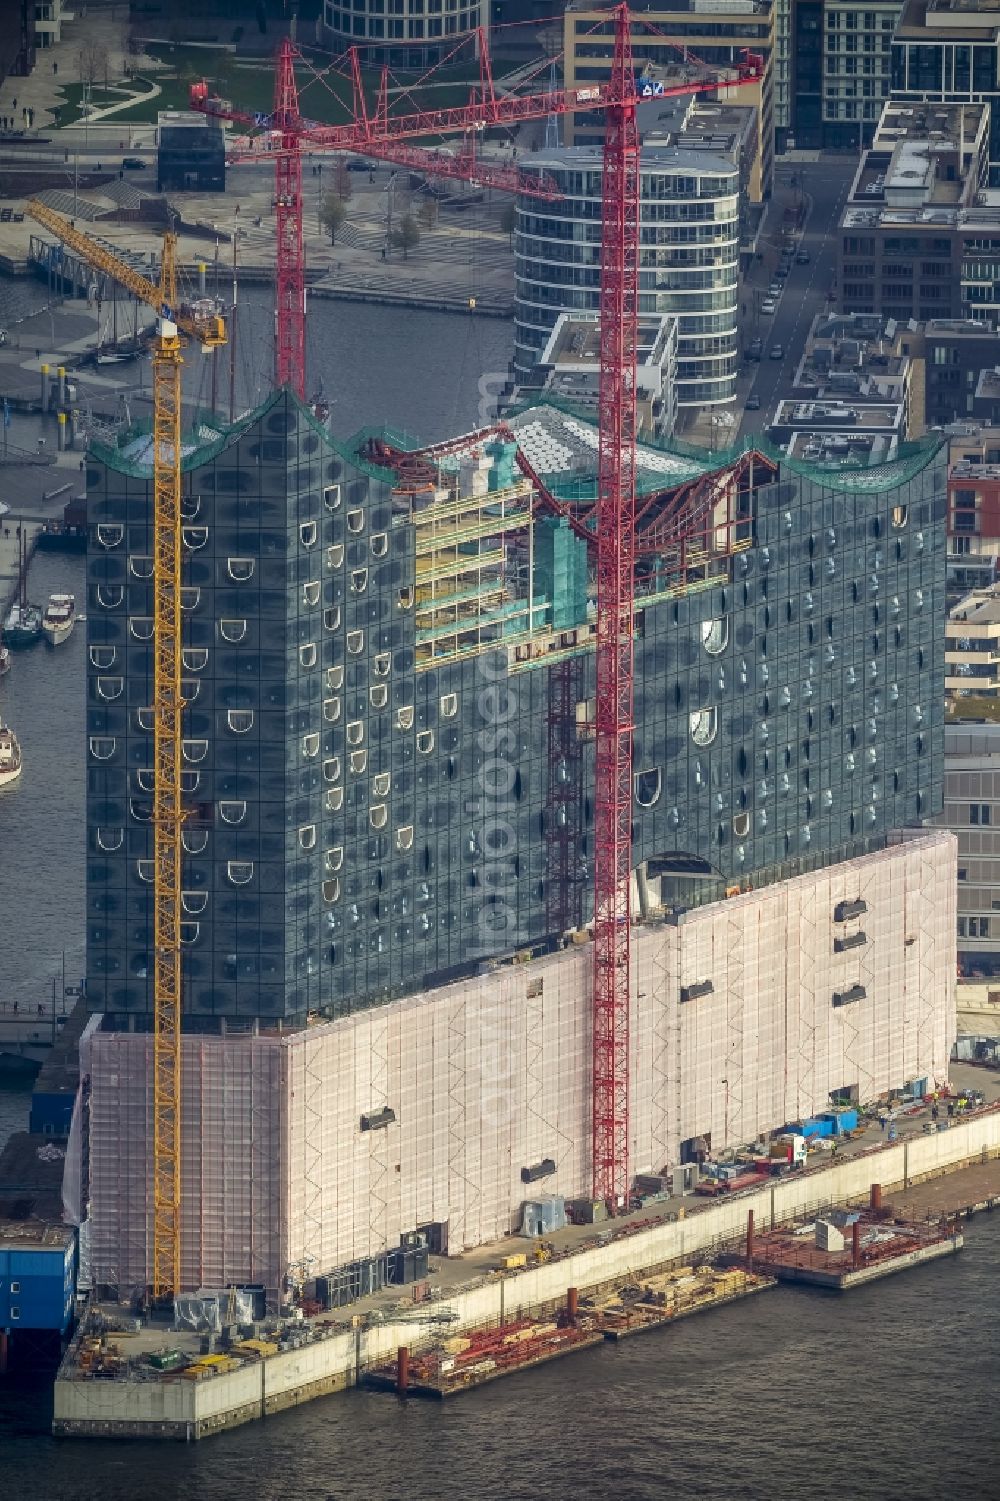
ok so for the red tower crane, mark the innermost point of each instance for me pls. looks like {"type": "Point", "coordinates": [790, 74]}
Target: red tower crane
{"type": "Point", "coordinates": [380, 134]}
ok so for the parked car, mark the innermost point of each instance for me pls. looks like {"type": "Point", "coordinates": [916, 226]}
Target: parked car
{"type": "Point", "coordinates": [357, 165]}
{"type": "Point", "coordinates": [775, 289]}
{"type": "Point", "coordinates": [782, 271]}
{"type": "Point", "coordinates": [802, 259]}
{"type": "Point", "coordinates": [133, 164]}
{"type": "Point", "coordinates": [752, 402]}
{"type": "Point", "coordinates": [755, 349]}
{"type": "Point", "coordinates": [777, 351]}
{"type": "Point", "coordinates": [769, 306]}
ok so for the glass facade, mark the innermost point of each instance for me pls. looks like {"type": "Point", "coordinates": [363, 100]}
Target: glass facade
{"type": "Point", "coordinates": [689, 259]}
{"type": "Point", "coordinates": [375, 797]}
{"type": "Point", "coordinates": [405, 32]}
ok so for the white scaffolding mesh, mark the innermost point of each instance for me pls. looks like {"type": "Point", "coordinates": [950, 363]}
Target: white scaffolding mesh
{"type": "Point", "coordinates": [492, 1075]}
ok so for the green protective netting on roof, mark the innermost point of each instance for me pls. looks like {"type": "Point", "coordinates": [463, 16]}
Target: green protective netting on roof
{"type": "Point", "coordinates": [910, 459]}
{"type": "Point", "coordinates": [208, 437]}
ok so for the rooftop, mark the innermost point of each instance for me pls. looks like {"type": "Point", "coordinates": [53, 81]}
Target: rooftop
{"type": "Point", "coordinates": [874, 417]}
{"type": "Point", "coordinates": [988, 385]}
{"type": "Point", "coordinates": [841, 449]}
{"type": "Point", "coordinates": [661, 158]}
{"type": "Point", "coordinates": [982, 607]}
{"type": "Point", "coordinates": [31, 1179]}
{"type": "Point", "coordinates": [943, 18]}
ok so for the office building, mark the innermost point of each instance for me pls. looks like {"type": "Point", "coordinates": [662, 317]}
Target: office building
{"type": "Point", "coordinates": [917, 231]}
{"type": "Point", "coordinates": [840, 68]}
{"type": "Point", "coordinates": [569, 370]}
{"type": "Point", "coordinates": [719, 33]}
{"type": "Point", "coordinates": [689, 265]}
{"type": "Point", "coordinates": [972, 812]}
{"type": "Point", "coordinates": [190, 153]}
{"type": "Point", "coordinates": [956, 351]}
{"type": "Point", "coordinates": [948, 52]}
{"type": "Point", "coordinates": [418, 33]}
{"type": "Point", "coordinates": [17, 38]}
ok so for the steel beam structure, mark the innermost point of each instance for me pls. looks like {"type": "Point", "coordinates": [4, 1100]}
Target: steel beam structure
{"type": "Point", "coordinates": [615, 611]}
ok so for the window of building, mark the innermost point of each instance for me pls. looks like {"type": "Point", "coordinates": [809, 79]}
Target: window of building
{"type": "Point", "coordinates": [355, 642]}
{"type": "Point", "coordinates": [379, 695]}
{"type": "Point", "coordinates": [232, 812]}
{"type": "Point", "coordinates": [648, 785]}
{"type": "Point", "coordinates": [334, 799]}
{"type": "Point", "coordinates": [310, 746]}
{"type": "Point", "coordinates": [240, 569]}
{"type": "Point", "coordinates": [380, 544]}
{"type": "Point", "coordinates": [331, 709]}
{"type": "Point", "coordinates": [331, 769]}
{"type": "Point", "coordinates": [307, 836]}
{"type": "Point", "coordinates": [335, 556]}
{"type": "Point", "coordinates": [355, 732]}
{"type": "Point", "coordinates": [356, 520]}
{"type": "Point", "coordinates": [704, 725]}
{"type": "Point", "coordinates": [331, 618]}
{"type": "Point", "coordinates": [232, 631]}
{"type": "Point", "coordinates": [425, 741]}
{"type": "Point", "coordinates": [307, 533]}
{"type": "Point", "coordinates": [239, 720]}
{"type": "Point", "coordinates": [404, 717]}
{"type": "Point", "coordinates": [240, 872]}
{"type": "Point", "coordinates": [359, 580]}
{"type": "Point", "coordinates": [310, 593]}
{"type": "Point", "coordinates": [378, 815]}
{"type": "Point", "coordinates": [449, 705]}
{"type": "Point", "coordinates": [979, 813]}
{"type": "Point", "coordinates": [194, 750]}
{"type": "Point", "coordinates": [359, 762]}
{"type": "Point", "coordinates": [382, 664]}
{"type": "Point", "coordinates": [307, 655]}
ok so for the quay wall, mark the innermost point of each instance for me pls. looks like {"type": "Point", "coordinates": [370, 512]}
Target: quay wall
{"type": "Point", "coordinates": [181, 1409]}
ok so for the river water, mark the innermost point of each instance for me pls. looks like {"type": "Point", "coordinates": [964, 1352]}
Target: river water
{"type": "Point", "coordinates": [886, 1394]}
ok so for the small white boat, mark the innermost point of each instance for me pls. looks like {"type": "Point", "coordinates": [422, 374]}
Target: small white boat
{"type": "Point", "coordinates": [10, 756]}
{"type": "Point", "coordinates": [59, 618]}
{"type": "Point", "coordinates": [4, 659]}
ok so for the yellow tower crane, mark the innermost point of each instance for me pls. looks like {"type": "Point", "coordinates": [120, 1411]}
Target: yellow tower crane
{"type": "Point", "coordinates": [168, 704]}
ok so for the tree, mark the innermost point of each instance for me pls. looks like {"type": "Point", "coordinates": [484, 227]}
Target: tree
{"type": "Point", "coordinates": [428, 212]}
{"type": "Point", "coordinates": [508, 220]}
{"type": "Point", "coordinates": [406, 236]}
{"type": "Point", "coordinates": [332, 215]}
{"type": "Point", "coordinates": [342, 181]}
{"type": "Point", "coordinates": [93, 62]}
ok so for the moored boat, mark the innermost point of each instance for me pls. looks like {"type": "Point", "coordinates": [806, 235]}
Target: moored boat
{"type": "Point", "coordinates": [59, 619]}
{"type": "Point", "coordinates": [4, 659]}
{"type": "Point", "coordinates": [23, 626]}
{"type": "Point", "coordinates": [10, 756]}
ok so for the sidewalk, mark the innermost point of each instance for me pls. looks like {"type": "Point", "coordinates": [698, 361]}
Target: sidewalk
{"type": "Point", "coordinates": [103, 27]}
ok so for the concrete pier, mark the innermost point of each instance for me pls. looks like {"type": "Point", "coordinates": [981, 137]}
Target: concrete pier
{"type": "Point", "coordinates": [328, 1358]}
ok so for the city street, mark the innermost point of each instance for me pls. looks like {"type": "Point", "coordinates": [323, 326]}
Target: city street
{"type": "Point", "coordinates": [825, 184]}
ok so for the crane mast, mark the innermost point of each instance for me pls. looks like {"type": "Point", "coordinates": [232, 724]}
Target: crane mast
{"type": "Point", "coordinates": [615, 609]}
{"type": "Point", "coordinates": [208, 329]}
{"type": "Point", "coordinates": [168, 810]}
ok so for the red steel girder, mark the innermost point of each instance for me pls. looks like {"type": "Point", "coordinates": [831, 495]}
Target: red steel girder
{"type": "Point", "coordinates": [615, 610]}
{"type": "Point", "coordinates": [290, 290]}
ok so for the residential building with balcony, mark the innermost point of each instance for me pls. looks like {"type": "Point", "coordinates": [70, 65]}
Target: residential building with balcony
{"type": "Point", "coordinates": [689, 259]}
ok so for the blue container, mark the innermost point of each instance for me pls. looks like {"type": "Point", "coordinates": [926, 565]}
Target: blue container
{"type": "Point", "coordinates": [820, 1127]}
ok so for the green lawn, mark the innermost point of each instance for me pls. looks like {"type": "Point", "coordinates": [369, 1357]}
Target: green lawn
{"type": "Point", "coordinates": [252, 88]}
